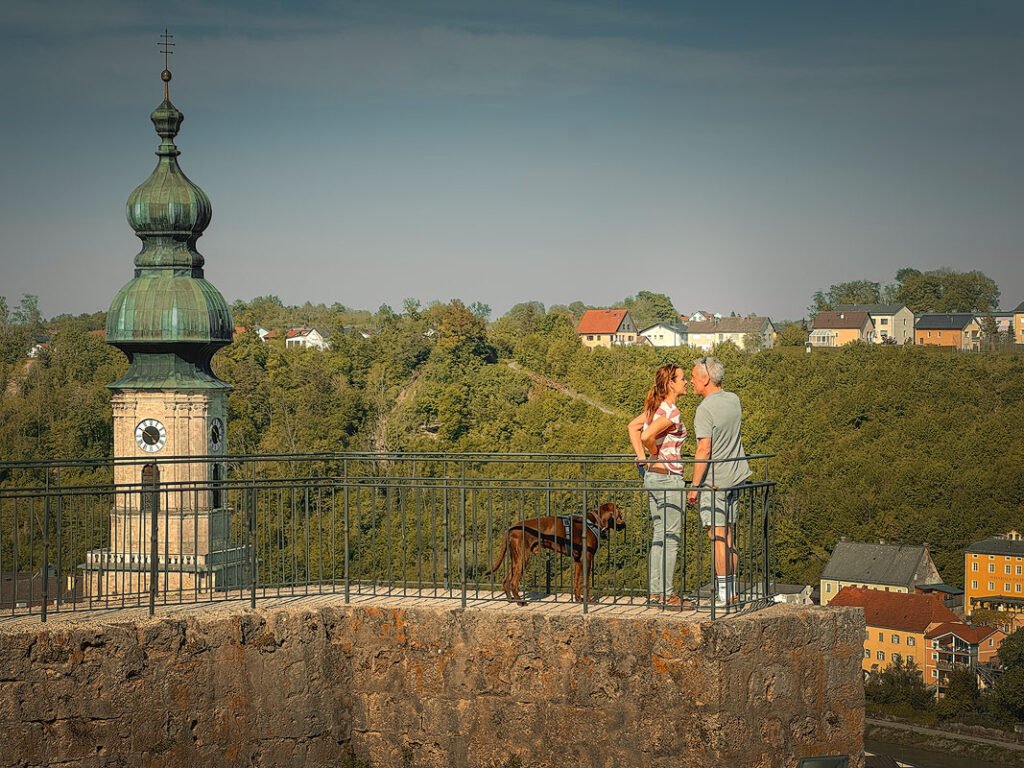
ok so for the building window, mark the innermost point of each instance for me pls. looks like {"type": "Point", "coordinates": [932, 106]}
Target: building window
{"type": "Point", "coordinates": [1006, 586]}
{"type": "Point", "coordinates": [935, 673]}
{"type": "Point", "coordinates": [974, 584]}
{"type": "Point", "coordinates": [1007, 569]}
{"type": "Point", "coordinates": [881, 637]}
{"type": "Point", "coordinates": [935, 657]}
{"type": "Point", "coordinates": [1016, 587]}
{"type": "Point", "coordinates": [991, 585]}
{"type": "Point", "coordinates": [974, 567]}
{"type": "Point", "coordinates": [911, 641]}
{"type": "Point", "coordinates": [991, 567]}
{"type": "Point", "coordinates": [590, 337]}
{"type": "Point", "coordinates": [895, 639]}
{"type": "Point", "coordinates": [867, 653]}
{"type": "Point", "coordinates": [880, 655]}
{"type": "Point", "coordinates": [1018, 570]}
{"type": "Point", "coordinates": [828, 587]}
{"type": "Point", "coordinates": [896, 658]}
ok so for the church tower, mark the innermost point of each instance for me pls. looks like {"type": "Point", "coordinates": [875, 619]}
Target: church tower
{"type": "Point", "coordinates": [169, 409]}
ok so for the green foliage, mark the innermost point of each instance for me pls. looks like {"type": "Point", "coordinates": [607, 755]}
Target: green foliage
{"type": "Point", "coordinates": [1008, 693]}
{"type": "Point", "coordinates": [962, 697]}
{"type": "Point", "coordinates": [648, 308]}
{"type": "Point", "coordinates": [939, 290]}
{"type": "Point", "coordinates": [900, 683]}
{"type": "Point", "coordinates": [853, 292]}
{"type": "Point", "coordinates": [1011, 651]}
{"type": "Point", "coordinates": [790, 334]}
{"type": "Point", "coordinates": [944, 290]}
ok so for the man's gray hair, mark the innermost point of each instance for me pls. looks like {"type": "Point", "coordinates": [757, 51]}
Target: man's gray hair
{"type": "Point", "coordinates": [715, 369]}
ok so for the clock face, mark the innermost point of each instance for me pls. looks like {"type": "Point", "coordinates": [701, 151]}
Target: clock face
{"type": "Point", "coordinates": [151, 435]}
{"type": "Point", "coordinates": [216, 435]}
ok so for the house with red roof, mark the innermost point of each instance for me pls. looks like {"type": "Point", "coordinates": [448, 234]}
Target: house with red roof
{"type": "Point", "coordinates": [834, 329]}
{"type": "Point", "coordinates": [310, 338]}
{"type": "Point", "coordinates": [897, 625]}
{"type": "Point", "coordinates": [955, 644]}
{"type": "Point", "coordinates": [607, 328]}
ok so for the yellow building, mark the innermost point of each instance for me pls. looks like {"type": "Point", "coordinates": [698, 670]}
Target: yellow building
{"type": "Point", "coordinates": [607, 328]}
{"type": "Point", "coordinates": [1018, 324]}
{"type": "Point", "coordinates": [994, 574]}
{"type": "Point", "coordinates": [834, 329]}
{"type": "Point", "coordinates": [896, 625]}
{"type": "Point", "coordinates": [958, 330]}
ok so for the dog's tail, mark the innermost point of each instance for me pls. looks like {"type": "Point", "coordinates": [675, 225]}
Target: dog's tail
{"type": "Point", "coordinates": [501, 555]}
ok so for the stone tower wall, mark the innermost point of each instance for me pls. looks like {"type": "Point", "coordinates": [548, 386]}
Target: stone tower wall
{"type": "Point", "coordinates": [432, 686]}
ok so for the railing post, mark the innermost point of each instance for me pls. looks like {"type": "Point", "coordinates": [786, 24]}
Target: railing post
{"type": "Point", "coordinates": [462, 525]}
{"type": "Point", "coordinates": [151, 494]}
{"type": "Point", "coordinates": [447, 542]}
{"type": "Point", "coordinates": [46, 548]}
{"type": "Point", "coordinates": [252, 539]}
{"type": "Point", "coordinates": [584, 549]}
{"type": "Point", "coordinates": [348, 583]}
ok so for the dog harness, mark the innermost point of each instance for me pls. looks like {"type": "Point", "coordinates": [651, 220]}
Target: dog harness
{"type": "Point", "coordinates": [567, 523]}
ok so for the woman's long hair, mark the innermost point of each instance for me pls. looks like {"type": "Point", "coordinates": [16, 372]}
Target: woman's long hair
{"type": "Point", "coordinates": [656, 394]}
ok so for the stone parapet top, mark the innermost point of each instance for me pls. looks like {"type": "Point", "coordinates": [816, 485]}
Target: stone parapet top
{"type": "Point", "coordinates": [299, 604]}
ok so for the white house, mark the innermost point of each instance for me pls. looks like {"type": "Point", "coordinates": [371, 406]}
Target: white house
{"type": "Point", "coordinates": [739, 330]}
{"type": "Point", "coordinates": [309, 338]}
{"type": "Point", "coordinates": [665, 335]}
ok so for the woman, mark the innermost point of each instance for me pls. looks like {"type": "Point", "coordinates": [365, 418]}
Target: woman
{"type": "Point", "coordinates": [657, 435]}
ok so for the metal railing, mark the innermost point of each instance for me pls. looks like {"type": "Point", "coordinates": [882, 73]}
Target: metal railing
{"type": "Point", "coordinates": [193, 530]}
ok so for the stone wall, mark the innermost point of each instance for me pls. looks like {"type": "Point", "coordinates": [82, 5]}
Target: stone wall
{"type": "Point", "coordinates": [312, 685]}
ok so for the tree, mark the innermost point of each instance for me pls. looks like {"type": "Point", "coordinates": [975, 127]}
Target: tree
{"type": "Point", "coordinates": [944, 290]}
{"type": "Point", "coordinates": [483, 311]}
{"type": "Point", "coordinates": [899, 683]}
{"type": "Point", "coordinates": [648, 308]}
{"type": "Point", "coordinates": [853, 292]}
{"type": "Point", "coordinates": [962, 695]}
{"type": "Point", "coordinates": [1011, 651]}
{"type": "Point", "coordinates": [790, 334]}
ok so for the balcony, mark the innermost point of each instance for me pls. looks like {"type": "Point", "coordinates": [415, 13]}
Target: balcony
{"type": "Point", "coordinates": [422, 525]}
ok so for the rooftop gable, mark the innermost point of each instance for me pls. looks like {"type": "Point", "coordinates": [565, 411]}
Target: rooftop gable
{"type": "Point", "coordinates": [895, 564]}
{"type": "Point", "coordinates": [909, 612]}
{"type": "Point", "coordinates": [844, 320]}
{"type": "Point", "coordinates": [752, 324]}
{"type": "Point", "coordinates": [871, 309]}
{"type": "Point", "coordinates": [601, 321]}
{"type": "Point", "coordinates": [934, 321]}
{"type": "Point", "coordinates": [966, 632]}
{"type": "Point", "coordinates": [998, 546]}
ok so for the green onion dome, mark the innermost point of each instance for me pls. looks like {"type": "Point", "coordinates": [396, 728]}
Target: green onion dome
{"type": "Point", "coordinates": [169, 307]}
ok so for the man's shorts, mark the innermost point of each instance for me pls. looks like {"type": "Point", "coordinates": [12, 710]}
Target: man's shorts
{"type": "Point", "coordinates": [718, 504]}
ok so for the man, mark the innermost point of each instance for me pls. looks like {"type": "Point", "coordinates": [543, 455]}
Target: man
{"type": "Point", "coordinates": [717, 428]}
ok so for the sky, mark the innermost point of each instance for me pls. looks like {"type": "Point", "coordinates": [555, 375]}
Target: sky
{"type": "Point", "coordinates": [737, 156]}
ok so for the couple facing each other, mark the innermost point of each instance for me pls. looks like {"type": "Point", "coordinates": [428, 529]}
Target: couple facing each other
{"type": "Point", "coordinates": [657, 436]}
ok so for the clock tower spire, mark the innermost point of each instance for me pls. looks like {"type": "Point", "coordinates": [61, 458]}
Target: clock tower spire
{"type": "Point", "coordinates": [169, 321]}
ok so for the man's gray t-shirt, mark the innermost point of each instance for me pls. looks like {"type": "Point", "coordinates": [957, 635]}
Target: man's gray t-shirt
{"type": "Point", "coordinates": [719, 416]}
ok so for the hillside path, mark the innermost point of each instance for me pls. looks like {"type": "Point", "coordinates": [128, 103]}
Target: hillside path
{"type": "Point", "coordinates": [557, 386]}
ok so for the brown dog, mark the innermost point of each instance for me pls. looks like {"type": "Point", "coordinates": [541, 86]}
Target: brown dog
{"type": "Point", "coordinates": [527, 536]}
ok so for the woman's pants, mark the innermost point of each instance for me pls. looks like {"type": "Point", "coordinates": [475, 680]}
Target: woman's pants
{"type": "Point", "coordinates": [667, 500]}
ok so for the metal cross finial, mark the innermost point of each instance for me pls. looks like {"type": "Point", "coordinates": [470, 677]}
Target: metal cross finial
{"type": "Point", "coordinates": [167, 45]}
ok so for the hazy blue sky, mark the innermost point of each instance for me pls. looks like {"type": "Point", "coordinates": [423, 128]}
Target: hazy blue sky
{"type": "Point", "coordinates": [734, 155]}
